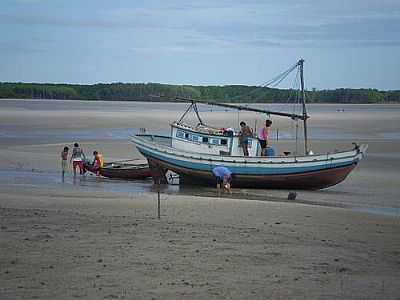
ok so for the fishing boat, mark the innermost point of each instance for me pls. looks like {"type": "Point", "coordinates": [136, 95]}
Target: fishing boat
{"type": "Point", "coordinates": [125, 169]}
{"type": "Point", "coordinates": [193, 151]}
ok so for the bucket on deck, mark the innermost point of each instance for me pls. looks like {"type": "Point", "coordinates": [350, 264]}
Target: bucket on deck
{"type": "Point", "coordinates": [269, 151]}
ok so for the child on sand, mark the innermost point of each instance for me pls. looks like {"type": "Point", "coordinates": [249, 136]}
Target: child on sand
{"type": "Point", "coordinates": [98, 162]}
{"type": "Point", "coordinates": [64, 158]}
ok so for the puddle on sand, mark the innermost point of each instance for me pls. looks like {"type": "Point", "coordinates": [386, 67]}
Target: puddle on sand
{"type": "Point", "coordinates": [85, 183]}
{"type": "Point", "coordinates": [89, 182]}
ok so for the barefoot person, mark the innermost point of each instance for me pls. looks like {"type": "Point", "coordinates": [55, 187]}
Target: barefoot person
{"type": "Point", "coordinates": [263, 136]}
{"type": "Point", "coordinates": [223, 176]}
{"type": "Point", "coordinates": [77, 158]}
{"type": "Point", "coordinates": [244, 135]}
{"type": "Point", "coordinates": [97, 162]}
{"type": "Point", "coordinates": [64, 159]}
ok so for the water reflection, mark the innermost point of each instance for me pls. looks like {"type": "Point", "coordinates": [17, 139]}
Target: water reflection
{"type": "Point", "coordinates": [92, 183]}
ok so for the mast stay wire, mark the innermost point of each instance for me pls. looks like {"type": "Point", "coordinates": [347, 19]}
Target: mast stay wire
{"type": "Point", "coordinates": [295, 87]}
{"type": "Point", "coordinates": [294, 98]}
{"type": "Point", "coordinates": [295, 107]}
{"type": "Point", "coordinates": [280, 77]}
{"type": "Point", "coordinates": [275, 82]}
{"type": "Point", "coordinates": [271, 83]}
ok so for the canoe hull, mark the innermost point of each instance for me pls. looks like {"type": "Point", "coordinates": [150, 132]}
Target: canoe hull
{"type": "Point", "coordinates": [141, 173]}
{"type": "Point", "coordinates": [130, 172]}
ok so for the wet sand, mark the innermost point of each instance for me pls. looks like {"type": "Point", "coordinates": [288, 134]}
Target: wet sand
{"type": "Point", "coordinates": [68, 244]}
{"type": "Point", "coordinates": [97, 238]}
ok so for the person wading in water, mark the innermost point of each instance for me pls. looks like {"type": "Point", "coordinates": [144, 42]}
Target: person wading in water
{"type": "Point", "coordinates": [77, 158]}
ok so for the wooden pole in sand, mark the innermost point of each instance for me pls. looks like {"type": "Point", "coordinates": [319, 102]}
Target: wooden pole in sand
{"type": "Point", "coordinates": [158, 198]}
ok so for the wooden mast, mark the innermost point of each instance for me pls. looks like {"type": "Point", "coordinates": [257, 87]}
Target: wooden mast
{"type": "Point", "coordinates": [293, 116]}
{"type": "Point", "coordinates": [303, 101]}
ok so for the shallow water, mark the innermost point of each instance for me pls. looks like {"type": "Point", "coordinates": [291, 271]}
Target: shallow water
{"type": "Point", "coordinates": [91, 183]}
{"type": "Point", "coordinates": [372, 187]}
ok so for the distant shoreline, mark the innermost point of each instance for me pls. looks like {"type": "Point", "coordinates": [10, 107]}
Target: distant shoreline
{"type": "Point", "coordinates": [156, 92]}
{"type": "Point", "coordinates": [144, 101]}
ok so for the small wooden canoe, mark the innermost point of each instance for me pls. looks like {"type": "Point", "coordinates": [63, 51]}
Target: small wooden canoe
{"type": "Point", "coordinates": [126, 169]}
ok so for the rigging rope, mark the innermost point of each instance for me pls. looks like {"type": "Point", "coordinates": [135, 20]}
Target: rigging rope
{"type": "Point", "coordinates": [279, 78]}
{"type": "Point", "coordinates": [271, 83]}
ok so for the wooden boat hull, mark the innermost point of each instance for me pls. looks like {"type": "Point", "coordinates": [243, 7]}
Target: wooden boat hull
{"type": "Point", "coordinates": [313, 180]}
{"type": "Point", "coordinates": [301, 172]}
{"type": "Point", "coordinates": [123, 171]}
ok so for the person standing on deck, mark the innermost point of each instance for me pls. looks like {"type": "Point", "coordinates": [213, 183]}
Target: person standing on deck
{"type": "Point", "coordinates": [263, 136]}
{"type": "Point", "coordinates": [244, 135]}
{"type": "Point", "coordinates": [64, 158]}
{"type": "Point", "coordinates": [223, 176]}
{"type": "Point", "coordinates": [77, 158]}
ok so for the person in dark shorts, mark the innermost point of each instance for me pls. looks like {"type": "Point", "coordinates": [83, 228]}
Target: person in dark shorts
{"type": "Point", "coordinates": [263, 136]}
{"type": "Point", "coordinates": [223, 177]}
{"type": "Point", "coordinates": [244, 135]}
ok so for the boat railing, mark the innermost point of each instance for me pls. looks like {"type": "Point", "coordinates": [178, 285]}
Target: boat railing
{"type": "Point", "coordinates": [206, 129]}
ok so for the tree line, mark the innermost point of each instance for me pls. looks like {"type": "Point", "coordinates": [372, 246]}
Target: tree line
{"type": "Point", "coordinates": [167, 92]}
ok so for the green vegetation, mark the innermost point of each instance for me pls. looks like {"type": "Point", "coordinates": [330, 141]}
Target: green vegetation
{"type": "Point", "coordinates": [165, 92]}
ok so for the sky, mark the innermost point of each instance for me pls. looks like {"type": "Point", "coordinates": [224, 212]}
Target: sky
{"type": "Point", "coordinates": [345, 43]}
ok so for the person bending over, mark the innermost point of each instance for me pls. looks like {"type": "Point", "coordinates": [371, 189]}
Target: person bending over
{"type": "Point", "coordinates": [223, 176]}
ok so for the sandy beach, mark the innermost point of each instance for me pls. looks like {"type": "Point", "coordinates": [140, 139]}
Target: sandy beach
{"type": "Point", "coordinates": [92, 238]}
{"type": "Point", "coordinates": [64, 244]}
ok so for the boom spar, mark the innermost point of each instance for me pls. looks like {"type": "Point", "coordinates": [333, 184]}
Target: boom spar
{"type": "Point", "coordinates": [244, 108]}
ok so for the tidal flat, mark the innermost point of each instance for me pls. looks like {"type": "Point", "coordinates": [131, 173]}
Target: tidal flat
{"type": "Point", "coordinates": [93, 237]}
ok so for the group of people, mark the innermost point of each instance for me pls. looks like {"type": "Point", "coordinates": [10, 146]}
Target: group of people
{"type": "Point", "coordinates": [78, 160]}
{"type": "Point", "coordinates": [222, 174]}
{"type": "Point", "coordinates": [246, 132]}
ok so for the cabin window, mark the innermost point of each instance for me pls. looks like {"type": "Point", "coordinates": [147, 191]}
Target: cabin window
{"type": "Point", "coordinates": [195, 138]}
{"type": "Point", "coordinates": [186, 135]}
{"type": "Point", "coordinates": [224, 142]}
{"type": "Point", "coordinates": [180, 134]}
{"type": "Point", "coordinates": [215, 141]}
{"type": "Point", "coordinates": [205, 139]}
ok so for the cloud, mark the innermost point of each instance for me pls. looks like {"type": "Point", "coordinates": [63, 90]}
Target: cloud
{"type": "Point", "coordinates": [274, 24]}
{"type": "Point", "coordinates": [207, 25]}
{"type": "Point", "coordinates": [15, 48]}
{"type": "Point", "coordinates": [31, 1]}
{"type": "Point", "coordinates": [348, 32]}
{"type": "Point", "coordinates": [54, 21]}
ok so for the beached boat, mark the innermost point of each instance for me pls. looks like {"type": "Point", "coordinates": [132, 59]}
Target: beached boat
{"type": "Point", "coordinates": [126, 169]}
{"type": "Point", "coordinates": [193, 151]}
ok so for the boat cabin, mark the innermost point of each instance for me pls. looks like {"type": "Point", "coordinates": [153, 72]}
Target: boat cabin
{"type": "Point", "coordinates": [207, 140]}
